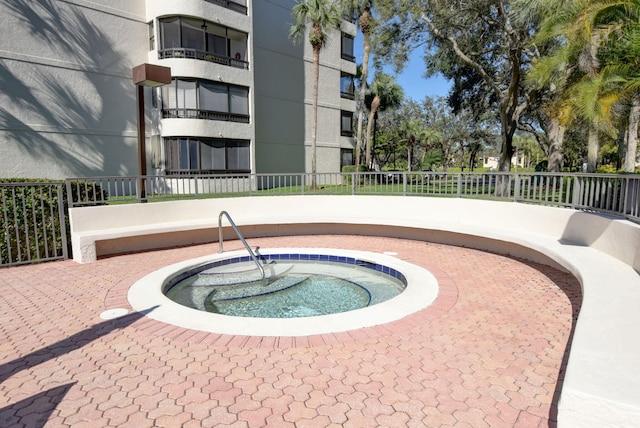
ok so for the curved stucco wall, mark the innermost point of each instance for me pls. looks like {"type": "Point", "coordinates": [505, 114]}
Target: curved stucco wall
{"type": "Point", "coordinates": [600, 387]}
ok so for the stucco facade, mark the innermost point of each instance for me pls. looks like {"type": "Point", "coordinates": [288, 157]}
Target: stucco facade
{"type": "Point", "coordinates": [68, 103]}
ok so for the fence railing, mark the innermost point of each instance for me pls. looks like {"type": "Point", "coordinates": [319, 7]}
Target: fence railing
{"type": "Point", "coordinates": [616, 194]}
{"type": "Point", "coordinates": [32, 223]}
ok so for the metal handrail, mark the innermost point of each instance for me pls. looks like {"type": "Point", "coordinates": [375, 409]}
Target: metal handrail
{"type": "Point", "coordinates": [244, 242]}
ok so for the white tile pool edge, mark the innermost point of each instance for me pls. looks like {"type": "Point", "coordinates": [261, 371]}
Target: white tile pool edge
{"type": "Point", "coordinates": [146, 296]}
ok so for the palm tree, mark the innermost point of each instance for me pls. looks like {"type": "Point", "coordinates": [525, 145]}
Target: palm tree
{"type": "Point", "coordinates": [321, 16]}
{"type": "Point", "coordinates": [384, 93]}
{"type": "Point", "coordinates": [621, 54]}
{"type": "Point", "coordinates": [417, 133]}
{"type": "Point", "coordinates": [586, 29]}
{"type": "Point", "coordinates": [366, 23]}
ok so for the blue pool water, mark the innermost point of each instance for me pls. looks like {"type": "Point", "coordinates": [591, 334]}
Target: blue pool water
{"type": "Point", "coordinates": [295, 285]}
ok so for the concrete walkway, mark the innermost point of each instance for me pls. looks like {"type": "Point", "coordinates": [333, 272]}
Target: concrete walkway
{"type": "Point", "coordinates": [489, 352]}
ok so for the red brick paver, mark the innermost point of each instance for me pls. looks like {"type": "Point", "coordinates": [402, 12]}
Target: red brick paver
{"type": "Point", "coordinates": [489, 352]}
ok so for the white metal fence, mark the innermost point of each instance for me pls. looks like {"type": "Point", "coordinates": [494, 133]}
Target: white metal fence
{"type": "Point", "coordinates": [611, 193]}
{"type": "Point", "coordinates": [33, 218]}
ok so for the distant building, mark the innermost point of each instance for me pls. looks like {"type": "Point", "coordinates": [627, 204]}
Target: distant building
{"type": "Point", "coordinates": [492, 161]}
{"type": "Point", "coordinates": [240, 100]}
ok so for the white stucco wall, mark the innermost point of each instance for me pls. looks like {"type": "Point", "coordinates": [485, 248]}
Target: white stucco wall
{"type": "Point", "coordinates": [284, 95]}
{"type": "Point", "coordinates": [600, 388]}
{"type": "Point", "coordinates": [67, 104]}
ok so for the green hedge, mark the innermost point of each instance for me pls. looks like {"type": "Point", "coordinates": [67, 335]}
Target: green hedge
{"type": "Point", "coordinates": [29, 219]}
{"type": "Point", "coordinates": [348, 169]}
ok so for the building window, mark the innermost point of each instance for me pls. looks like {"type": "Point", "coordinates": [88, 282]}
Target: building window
{"type": "Point", "coordinates": [152, 36]}
{"type": "Point", "coordinates": [235, 5]}
{"type": "Point", "coordinates": [346, 157]}
{"type": "Point", "coordinates": [347, 48]}
{"type": "Point", "coordinates": [346, 123]}
{"type": "Point", "coordinates": [199, 155]}
{"type": "Point", "coordinates": [347, 86]}
{"type": "Point", "coordinates": [205, 99]}
{"type": "Point", "coordinates": [182, 37]}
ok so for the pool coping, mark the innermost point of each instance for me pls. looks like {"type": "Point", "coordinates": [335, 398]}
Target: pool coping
{"type": "Point", "coordinates": [146, 296]}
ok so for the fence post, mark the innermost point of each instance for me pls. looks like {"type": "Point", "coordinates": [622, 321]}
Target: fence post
{"type": "Point", "coordinates": [516, 187]}
{"type": "Point", "coordinates": [69, 193]}
{"type": "Point", "coordinates": [404, 183]}
{"type": "Point", "coordinates": [354, 177]}
{"type": "Point", "coordinates": [577, 190]}
{"type": "Point", "coordinates": [459, 193]}
{"type": "Point", "coordinates": [61, 217]}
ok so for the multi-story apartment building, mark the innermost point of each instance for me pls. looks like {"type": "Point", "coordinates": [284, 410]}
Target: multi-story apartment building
{"type": "Point", "coordinates": [239, 101]}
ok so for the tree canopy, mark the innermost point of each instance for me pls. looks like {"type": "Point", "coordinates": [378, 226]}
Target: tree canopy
{"type": "Point", "coordinates": [546, 67]}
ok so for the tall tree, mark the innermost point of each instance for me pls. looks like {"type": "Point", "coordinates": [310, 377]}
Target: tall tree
{"type": "Point", "coordinates": [366, 23]}
{"type": "Point", "coordinates": [384, 93]}
{"type": "Point", "coordinates": [589, 36]}
{"type": "Point", "coordinates": [475, 43]}
{"type": "Point", "coordinates": [621, 55]}
{"type": "Point", "coordinates": [315, 18]}
{"type": "Point", "coordinates": [550, 76]}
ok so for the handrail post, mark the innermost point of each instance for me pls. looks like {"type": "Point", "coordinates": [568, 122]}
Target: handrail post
{"type": "Point", "coordinates": [244, 242]}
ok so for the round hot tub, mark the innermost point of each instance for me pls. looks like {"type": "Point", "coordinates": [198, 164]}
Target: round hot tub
{"type": "Point", "coordinates": [303, 292]}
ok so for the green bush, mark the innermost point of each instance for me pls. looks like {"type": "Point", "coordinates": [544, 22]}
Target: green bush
{"type": "Point", "coordinates": [349, 169]}
{"type": "Point", "coordinates": [30, 227]}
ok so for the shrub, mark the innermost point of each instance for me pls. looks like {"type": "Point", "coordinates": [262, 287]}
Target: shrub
{"type": "Point", "coordinates": [30, 227]}
{"type": "Point", "coordinates": [348, 169]}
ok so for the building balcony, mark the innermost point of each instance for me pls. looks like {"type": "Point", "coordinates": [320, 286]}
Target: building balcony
{"type": "Point", "coordinates": [231, 5]}
{"type": "Point", "coordinates": [188, 113]}
{"type": "Point", "coordinates": [348, 95]}
{"type": "Point", "coordinates": [348, 57]}
{"type": "Point", "coordinates": [203, 56]}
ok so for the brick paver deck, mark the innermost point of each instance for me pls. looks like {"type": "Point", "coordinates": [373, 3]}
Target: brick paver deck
{"type": "Point", "coordinates": [488, 352]}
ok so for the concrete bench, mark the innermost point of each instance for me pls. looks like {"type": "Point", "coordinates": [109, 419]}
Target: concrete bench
{"type": "Point", "coordinates": [601, 386]}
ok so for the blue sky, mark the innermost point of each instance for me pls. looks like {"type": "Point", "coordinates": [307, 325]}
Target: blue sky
{"type": "Point", "coordinates": [412, 78]}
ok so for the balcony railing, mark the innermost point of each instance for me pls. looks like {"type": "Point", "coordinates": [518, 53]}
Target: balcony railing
{"type": "Point", "coordinates": [608, 193]}
{"type": "Point", "coordinates": [229, 4]}
{"type": "Point", "coordinates": [348, 95]}
{"type": "Point", "coordinates": [348, 57]}
{"type": "Point", "coordinates": [202, 56]}
{"type": "Point", "coordinates": [188, 113]}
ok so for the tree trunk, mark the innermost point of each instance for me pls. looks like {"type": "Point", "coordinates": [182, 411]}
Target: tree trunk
{"type": "Point", "coordinates": [592, 150]}
{"type": "Point", "coordinates": [555, 132]}
{"type": "Point", "coordinates": [509, 122]}
{"type": "Point", "coordinates": [632, 137]}
{"type": "Point", "coordinates": [314, 118]}
{"type": "Point", "coordinates": [363, 91]}
{"type": "Point", "coordinates": [508, 128]}
{"type": "Point", "coordinates": [374, 107]}
{"type": "Point", "coordinates": [621, 144]}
